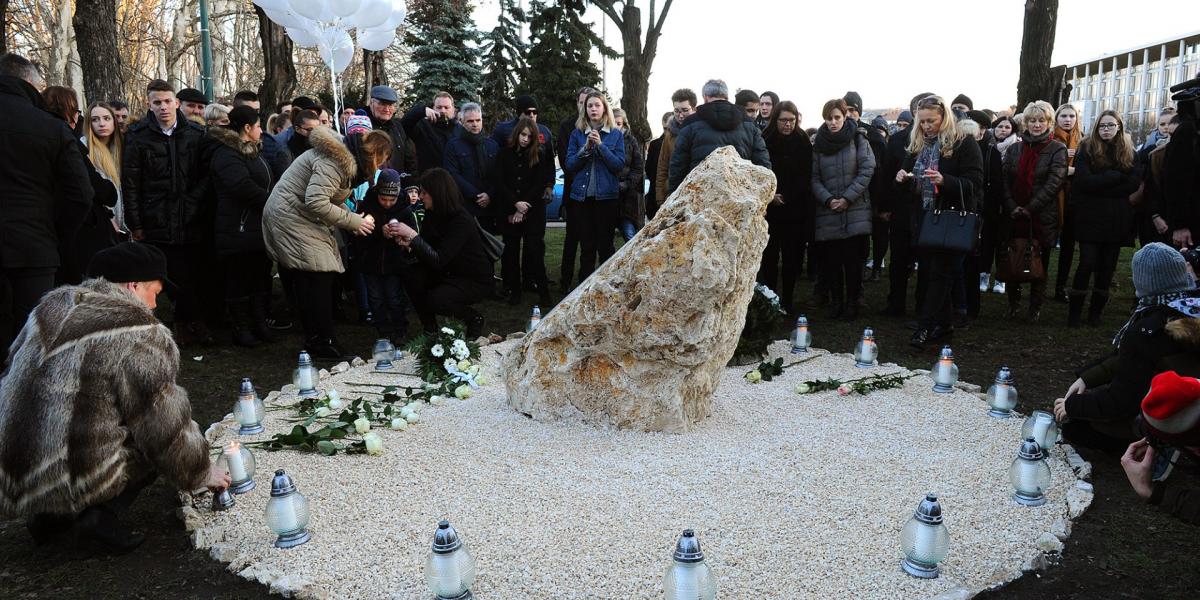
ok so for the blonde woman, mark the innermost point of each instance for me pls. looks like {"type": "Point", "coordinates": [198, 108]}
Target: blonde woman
{"type": "Point", "coordinates": [216, 115]}
{"type": "Point", "coordinates": [943, 170]}
{"type": "Point", "coordinates": [1105, 175]}
{"type": "Point", "coordinates": [595, 158]}
{"type": "Point", "coordinates": [1066, 130]}
{"type": "Point", "coordinates": [1035, 168]}
{"type": "Point", "coordinates": [102, 136]}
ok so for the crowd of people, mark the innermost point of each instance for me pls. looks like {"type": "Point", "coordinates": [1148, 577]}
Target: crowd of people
{"type": "Point", "coordinates": [404, 211]}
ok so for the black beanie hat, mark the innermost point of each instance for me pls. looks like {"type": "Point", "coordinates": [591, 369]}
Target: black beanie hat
{"type": "Point", "coordinates": [129, 262]}
{"type": "Point", "coordinates": [980, 117]}
{"type": "Point", "coordinates": [853, 100]}
{"type": "Point", "coordinates": [524, 103]}
{"type": "Point", "coordinates": [963, 99]}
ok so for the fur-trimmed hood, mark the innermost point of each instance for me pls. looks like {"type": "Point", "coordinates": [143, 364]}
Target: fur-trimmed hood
{"type": "Point", "coordinates": [88, 403]}
{"type": "Point", "coordinates": [328, 143]}
{"type": "Point", "coordinates": [1185, 331]}
{"type": "Point", "coordinates": [230, 139]}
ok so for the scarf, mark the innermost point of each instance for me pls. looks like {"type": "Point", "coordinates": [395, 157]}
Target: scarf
{"type": "Point", "coordinates": [1071, 139]}
{"type": "Point", "coordinates": [832, 143]}
{"type": "Point", "coordinates": [1185, 303]}
{"type": "Point", "coordinates": [1027, 167]}
{"type": "Point", "coordinates": [931, 152]}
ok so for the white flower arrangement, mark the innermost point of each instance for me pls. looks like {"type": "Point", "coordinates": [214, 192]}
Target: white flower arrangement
{"type": "Point", "coordinates": [460, 350]}
{"type": "Point", "coordinates": [437, 350]}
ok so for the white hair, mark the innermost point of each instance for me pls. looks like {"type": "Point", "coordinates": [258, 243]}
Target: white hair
{"type": "Point", "coordinates": [471, 107]}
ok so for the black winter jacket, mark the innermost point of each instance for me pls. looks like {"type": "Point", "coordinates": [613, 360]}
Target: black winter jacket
{"type": "Point", "coordinates": [715, 124]}
{"type": "Point", "coordinates": [1100, 199]}
{"type": "Point", "coordinates": [161, 178]}
{"type": "Point", "coordinates": [895, 196]}
{"type": "Point", "coordinates": [375, 254]}
{"type": "Point", "coordinates": [475, 174]}
{"type": "Point", "coordinates": [241, 181]}
{"type": "Point", "coordinates": [791, 160]}
{"type": "Point", "coordinates": [963, 175]}
{"type": "Point", "coordinates": [44, 189]}
{"type": "Point", "coordinates": [95, 234]}
{"type": "Point", "coordinates": [518, 182]}
{"type": "Point", "coordinates": [993, 182]}
{"type": "Point", "coordinates": [428, 138]}
{"type": "Point", "coordinates": [653, 150]}
{"type": "Point", "coordinates": [449, 246]}
{"type": "Point", "coordinates": [630, 183]}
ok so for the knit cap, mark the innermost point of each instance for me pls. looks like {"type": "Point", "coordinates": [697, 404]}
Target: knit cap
{"type": "Point", "coordinates": [524, 103]}
{"type": "Point", "coordinates": [853, 100]}
{"type": "Point", "coordinates": [408, 181]}
{"type": "Point", "coordinates": [388, 183]}
{"type": "Point", "coordinates": [1160, 269]}
{"type": "Point", "coordinates": [905, 117]}
{"type": "Point", "coordinates": [358, 122]}
{"type": "Point", "coordinates": [963, 99]}
{"type": "Point", "coordinates": [1172, 406]}
{"type": "Point", "coordinates": [879, 122]}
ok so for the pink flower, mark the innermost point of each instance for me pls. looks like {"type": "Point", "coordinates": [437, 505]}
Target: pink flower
{"type": "Point", "coordinates": [844, 389]}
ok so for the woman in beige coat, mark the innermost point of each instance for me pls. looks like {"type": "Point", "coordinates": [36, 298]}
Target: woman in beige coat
{"type": "Point", "coordinates": [299, 220]}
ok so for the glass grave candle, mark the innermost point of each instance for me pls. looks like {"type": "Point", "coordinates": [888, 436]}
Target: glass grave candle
{"type": "Point", "coordinates": [383, 353]}
{"type": "Point", "coordinates": [1042, 427]}
{"type": "Point", "coordinates": [924, 540]}
{"type": "Point", "coordinates": [801, 336]}
{"type": "Point", "coordinates": [249, 409]}
{"type": "Point", "coordinates": [239, 463]}
{"type": "Point", "coordinates": [866, 351]}
{"type": "Point", "coordinates": [449, 568]}
{"type": "Point", "coordinates": [305, 377]}
{"type": "Point", "coordinates": [944, 372]}
{"type": "Point", "coordinates": [287, 512]}
{"type": "Point", "coordinates": [689, 577]}
{"type": "Point", "coordinates": [1029, 474]}
{"type": "Point", "coordinates": [534, 318]}
{"type": "Point", "coordinates": [1002, 396]}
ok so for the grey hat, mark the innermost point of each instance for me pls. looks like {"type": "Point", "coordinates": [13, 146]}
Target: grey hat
{"type": "Point", "coordinates": [384, 93]}
{"type": "Point", "coordinates": [1160, 269]}
{"type": "Point", "coordinates": [905, 116]}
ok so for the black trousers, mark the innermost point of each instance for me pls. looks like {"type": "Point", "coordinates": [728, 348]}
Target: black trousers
{"type": "Point", "coordinates": [939, 269]}
{"type": "Point", "coordinates": [571, 239]}
{"type": "Point", "coordinates": [879, 241]}
{"type": "Point", "coordinates": [1037, 289]}
{"type": "Point", "coordinates": [842, 267]}
{"type": "Point", "coordinates": [314, 298]}
{"type": "Point", "coordinates": [1066, 252]}
{"type": "Point", "coordinates": [188, 268]}
{"type": "Point", "coordinates": [597, 220]}
{"type": "Point", "coordinates": [783, 244]}
{"type": "Point", "coordinates": [246, 274]}
{"type": "Point", "coordinates": [900, 236]}
{"type": "Point", "coordinates": [1097, 261]}
{"type": "Point", "coordinates": [432, 295]}
{"type": "Point", "coordinates": [524, 258]}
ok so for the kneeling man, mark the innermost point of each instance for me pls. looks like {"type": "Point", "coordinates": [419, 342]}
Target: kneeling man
{"type": "Point", "coordinates": [89, 410]}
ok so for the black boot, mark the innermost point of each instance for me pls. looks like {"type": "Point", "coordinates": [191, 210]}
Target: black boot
{"type": "Point", "coordinates": [1096, 308]}
{"type": "Point", "coordinates": [1014, 301]}
{"type": "Point", "coordinates": [45, 527]}
{"type": "Point", "coordinates": [324, 348]}
{"type": "Point", "coordinates": [474, 325]}
{"type": "Point", "coordinates": [239, 313]}
{"type": "Point", "coordinates": [1075, 307]}
{"type": "Point", "coordinates": [259, 304]}
{"type": "Point", "coordinates": [101, 525]}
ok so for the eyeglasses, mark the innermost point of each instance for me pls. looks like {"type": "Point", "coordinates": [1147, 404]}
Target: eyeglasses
{"type": "Point", "coordinates": [930, 102]}
{"type": "Point", "coordinates": [683, 111]}
{"type": "Point", "coordinates": [1106, 126]}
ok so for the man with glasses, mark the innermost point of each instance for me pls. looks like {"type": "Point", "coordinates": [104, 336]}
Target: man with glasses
{"type": "Point", "coordinates": [382, 109]}
{"type": "Point", "coordinates": [683, 103]}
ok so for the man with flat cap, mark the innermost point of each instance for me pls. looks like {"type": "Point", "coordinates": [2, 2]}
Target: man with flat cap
{"type": "Point", "coordinates": [90, 413]}
{"type": "Point", "coordinates": [382, 108]}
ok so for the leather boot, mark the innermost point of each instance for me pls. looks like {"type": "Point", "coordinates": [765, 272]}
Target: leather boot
{"type": "Point", "coordinates": [258, 318]}
{"type": "Point", "coordinates": [101, 525]}
{"type": "Point", "coordinates": [1075, 307]}
{"type": "Point", "coordinates": [1014, 302]}
{"type": "Point", "coordinates": [239, 313]}
{"type": "Point", "coordinates": [1096, 308]}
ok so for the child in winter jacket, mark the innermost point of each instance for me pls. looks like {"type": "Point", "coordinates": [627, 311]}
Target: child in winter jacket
{"type": "Point", "coordinates": [381, 261]}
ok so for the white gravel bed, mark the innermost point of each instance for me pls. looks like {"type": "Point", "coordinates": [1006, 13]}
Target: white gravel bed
{"type": "Point", "coordinates": [791, 496]}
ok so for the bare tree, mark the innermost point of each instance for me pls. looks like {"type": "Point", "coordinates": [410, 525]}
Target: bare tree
{"type": "Point", "coordinates": [1037, 46]}
{"type": "Point", "coordinates": [279, 81]}
{"type": "Point", "coordinates": [638, 56]}
{"type": "Point", "coordinates": [3, 26]}
{"type": "Point", "coordinates": [96, 39]}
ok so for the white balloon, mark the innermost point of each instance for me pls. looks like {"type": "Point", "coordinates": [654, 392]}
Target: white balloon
{"type": "Point", "coordinates": [397, 18]}
{"type": "Point", "coordinates": [310, 9]}
{"type": "Point", "coordinates": [344, 8]}
{"type": "Point", "coordinates": [271, 4]}
{"type": "Point", "coordinates": [372, 14]}
{"type": "Point", "coordinates": [303, 37]}
{"type": "Point", "coordinates": [285, 17]}
{"type": "Point", "coordinates": [342, 56]}
{"type": "Point", "coordinates": [376, 39]}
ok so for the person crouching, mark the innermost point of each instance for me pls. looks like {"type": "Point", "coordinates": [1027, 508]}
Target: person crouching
{"type": "Point", "coordinates": [90, 413]}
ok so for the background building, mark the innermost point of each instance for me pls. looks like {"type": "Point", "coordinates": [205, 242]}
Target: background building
{"type": "Point", "coordinates": [1133, 82]}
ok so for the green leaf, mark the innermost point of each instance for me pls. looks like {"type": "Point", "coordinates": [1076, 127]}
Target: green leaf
{"type": "Point", "coordinates": [326, 447]}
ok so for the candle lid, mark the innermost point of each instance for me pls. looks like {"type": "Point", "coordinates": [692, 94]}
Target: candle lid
{"type": "Point", "coordinates": [222, 500]}
{"type": "Point", "coordinates": [801, 320]}
{"type": "Point", "coordinates": [445, 539]}
{"type": "Point", "coordinates": [537, 310]}
{"type": "Point", "coordinates": [247, 388]}
{"type": "Point", "coordinates": [947, 352]}
{"type": "Point", "coordinates": [687, 549]}
{"type": "Point", "coordinates": [281, 484]}
{"type": "Point", "coordinates": [868, 333]}
{"type": "Point", "coordinates": [1030, 450]}
{"type": "Point", "coordinates": [1004, 376]}
{"type": "Point", "coordinates": [305, 359]}
{"type": "Point", "coordinates": [929, 511]}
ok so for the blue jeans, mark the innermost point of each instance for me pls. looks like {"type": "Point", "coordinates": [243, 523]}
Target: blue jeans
{"type": "Point", "coordinates": [388, 304]}
{"type": "Point", "coordinates": [627, 228]}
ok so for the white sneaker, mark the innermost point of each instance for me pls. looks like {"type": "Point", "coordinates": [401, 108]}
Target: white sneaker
{"type": "Point", "coordinates": [983, 282]}
{"type": "Point", "coordinates": [998, 288]}
{"type": "Point", "coordinates": [870, 263]}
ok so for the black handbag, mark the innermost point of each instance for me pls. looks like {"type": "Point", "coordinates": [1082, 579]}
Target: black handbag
{"type": "Point", "coordinates": [949, 230]}
{"type": "Point", "coordinates": [492, 245]}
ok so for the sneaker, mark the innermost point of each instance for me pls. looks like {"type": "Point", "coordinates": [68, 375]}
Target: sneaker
{"type": "Point", "coordinates": [998, 287]}
{"type": "Point", "coordinates": [983, 282]}
{"type": "Point", "coordinates": [1164, 462]}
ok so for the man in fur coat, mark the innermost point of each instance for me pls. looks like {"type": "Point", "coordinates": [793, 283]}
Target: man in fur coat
{"type": "Point", "coordinates": [89, 410]}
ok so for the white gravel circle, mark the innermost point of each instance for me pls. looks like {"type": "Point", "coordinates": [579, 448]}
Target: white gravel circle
{"type": "Point", "coordinates": [791, 496]}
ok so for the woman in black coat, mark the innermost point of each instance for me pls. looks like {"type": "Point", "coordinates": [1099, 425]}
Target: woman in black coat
{"type": "Point", "coordinates": [241, 181]}
{"type": "Point", "coordinates": [453, 270]}
{"type": "Point", "coordinates": [790, 215]}
{"type": "Point", "coordinates": [943, 169]}
{"type": "Point", "coordinates": [631, 182]}
{"type": "Point", "coordinates": [1105, 175]}
{"type": "Point", "coordinates": [526, 170]}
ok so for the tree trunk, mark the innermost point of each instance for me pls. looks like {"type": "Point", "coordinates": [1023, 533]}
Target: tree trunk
{"type": "Point", "coordinates": [1037, 46]}
{"type": "Point", "coordinates": [96, 37]}
{"type": "Point", "coordinates": [635, 73]}
{"type": "Point", "coordinates": [279, 82]}
{"type": "Point", "coordinates": [374, 72]}
{"type": "Point", "coordinates": [3, 26]}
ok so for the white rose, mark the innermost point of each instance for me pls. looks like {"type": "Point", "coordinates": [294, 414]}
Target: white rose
{"type": "Point", "coordinates": [450, 365]}
{"type": "Point", "coordinates": [399, 424]}
{"type": "Point", "coordinates": [437, 401]}
{"type": "Point", "coordinates": [362, 425]}
{"type": "Point", "coordinates": [336, 403]}
{"type": "Point", "coordinates": [447, 331]}
{"type": "Point", "coordinates": [413, 406]}
{"type": "Point", "coordinates": [323, 411]}
{"type": "Point", "coordinates": [374, 444]}
{"type": "Point", "coordinates": [463, 365]}
{"type": "Point", "coordinates": [473, 371]}
{"type": "Point", "coordinates": [437, 351]}
{"type": "Point", "coordinates": [412, 418]}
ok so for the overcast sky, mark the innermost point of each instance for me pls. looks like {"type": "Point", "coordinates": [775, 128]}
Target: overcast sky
{"type": "Point", "coordinates": [811, 52]}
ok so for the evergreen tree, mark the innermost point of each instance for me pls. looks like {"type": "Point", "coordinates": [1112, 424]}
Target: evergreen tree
{"type": "Point", "coordinates": [503, 63]}
{"type": "Point", "coordinates": [560, 58]}
{"type": "Point", "coordinates": [443, 39]}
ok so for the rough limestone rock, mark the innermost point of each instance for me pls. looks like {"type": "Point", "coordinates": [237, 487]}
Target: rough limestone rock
{"type": "Point", "coordinates": [642, 343]}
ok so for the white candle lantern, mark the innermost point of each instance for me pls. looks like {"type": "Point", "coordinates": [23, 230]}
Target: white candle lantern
{"type": "Point", "coordinates": [689, 577]}
{"type": "Point", "coordinates": [1029, 474]}
{"type": "Point", "coordinates": [866, 351]}
{"type": "Point", "coordinates": [801, 336]}
{"type": "Point", "coordinates": [944, 372]}
{"type": "Point", "coordinates": [449, 568]}
{"type": "Point", "coordinates": [249, 409]}
{"type": "Point", "coordinates": [383, 352]}
{"type": "Point", "coordinates": [238, 461]}
{"type": "Point", "coordinates": [924, 540]}
{"type": "Point", "coordinates": [1042, 427]}
{"type": "Point", "coordinates": [1002, 396]}
{"type": "Point", "coordinates": [305, 377]}
{"type": "Point", "coordinates": [534, 318]}
{"type": "Point", "coordinates": [287, 512]}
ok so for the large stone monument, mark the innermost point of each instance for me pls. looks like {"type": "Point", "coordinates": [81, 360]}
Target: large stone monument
{"type": "Point", "coordinates": [642, 343]}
